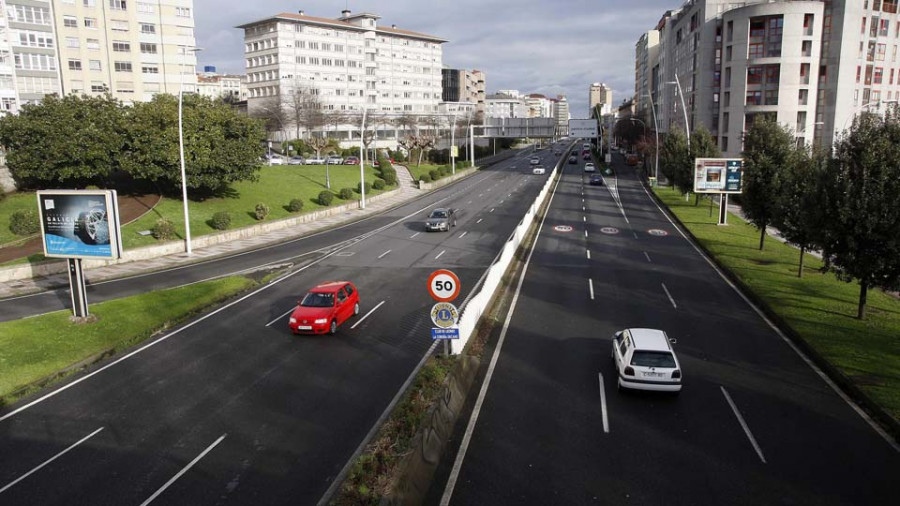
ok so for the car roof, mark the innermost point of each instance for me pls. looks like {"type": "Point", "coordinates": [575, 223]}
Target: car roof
{"type": "Point", "coordinates": [328, 286]}
{"type": "Point", "coordinates": [650, 340]}
{"type": "Point", "coordinates": [446, 209]}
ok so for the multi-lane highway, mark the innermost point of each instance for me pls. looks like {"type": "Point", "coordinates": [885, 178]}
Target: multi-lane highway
{"type": "Point", "coordinates": [754, 423]}
{"type": "Point", "coordinates": [231, 408]}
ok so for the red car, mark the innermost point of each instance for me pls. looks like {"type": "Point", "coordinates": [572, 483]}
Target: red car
{"type": "Point", "coordinates": [375, 163]}
{"type": "Point", "coordinates": [351, 160]}
{"type": "Point", "coordinates": [324, 308]}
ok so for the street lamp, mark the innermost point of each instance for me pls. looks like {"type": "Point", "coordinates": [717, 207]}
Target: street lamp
{"type": "Point", "coordinates": [453, 145]}
{"type": "Point", "coordinates": [687, 127]}
{"type": "Point", "coordinates": [876, 103]}
{"type": "Point", "coordinates": [362, 170]}
{"type": "Point", "coordinates": [656, 131]}
{"type": "Point", "coordinates": [184, 197]}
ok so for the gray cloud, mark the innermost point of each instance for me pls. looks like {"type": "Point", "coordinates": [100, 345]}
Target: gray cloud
{"type": "Point", "coordinates": [536, 46]}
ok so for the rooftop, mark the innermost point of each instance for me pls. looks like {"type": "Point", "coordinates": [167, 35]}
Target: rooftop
{"type": "Point", "coordinates": [342, 24]}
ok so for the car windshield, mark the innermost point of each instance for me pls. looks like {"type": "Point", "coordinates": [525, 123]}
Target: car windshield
{"type": "Point", "coordinates": [438, 214]}
{"type": "Point", "coordinates": [652, 359]}
{"type": "Point", "coordinates": [314, 299]}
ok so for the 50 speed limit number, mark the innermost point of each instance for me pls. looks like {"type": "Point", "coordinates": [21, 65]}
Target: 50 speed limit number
{"type": "Point", "coordinates": [443, 285]}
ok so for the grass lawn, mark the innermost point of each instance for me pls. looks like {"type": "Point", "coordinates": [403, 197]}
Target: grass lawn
{"type": "Point", "coordinates": [818, 307]}
{"type": "Point", "coordinates": [34, 348]}
{"type": "Point", "coordinates": [12, 203]}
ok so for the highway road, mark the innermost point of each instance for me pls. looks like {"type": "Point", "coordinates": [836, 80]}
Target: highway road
{"type": "Point", "coordinates": [232, 409]}
{"type": "Point", "coordinates": [754, 424]}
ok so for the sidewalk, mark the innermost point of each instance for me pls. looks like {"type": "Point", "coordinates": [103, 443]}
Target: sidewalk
{"type": "Point", "coordinates": [406, 191]}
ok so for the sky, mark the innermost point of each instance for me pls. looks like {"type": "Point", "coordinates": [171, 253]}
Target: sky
{"type": "Point", "coordinates": [553, 47]}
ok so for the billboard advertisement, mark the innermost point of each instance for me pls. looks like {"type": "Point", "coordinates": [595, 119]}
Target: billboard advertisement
{"type": "Point", "coordinates": [80, 223]}
{"type": "Point", "coordinates": [584, 128]}
{"type": "Point", "coordinates": [718, 175]}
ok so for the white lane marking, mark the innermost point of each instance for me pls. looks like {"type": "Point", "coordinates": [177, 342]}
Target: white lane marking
{"type": "Point", "coordinates": [417, 233]}
{"type": "Point", "coordinates": [591, 287]}
{"type": "Point", "coordinates": [669, 295]}
{"type": "Point", "coordinates": [480, 194]}
{"type": "Point", "coordinates": [583, 208]}
{"type": "Point", "coordinates": [479, 221]}
{"type": "Point", "coordinates": [647, 256]}
{"type": "Point", "coordinates": [746, 428]}
{"type": "Point", "coordinates": [58, 455]}
{"type": "Point", "coordinates": [440, 254]}
{"type": "Point", "coordinates": [502, 201]}
{"type": "Point", "coordinates": [469, 202]}
{"type": "Point", "coordinates": [383, 254]}
{"type": "Point", "coordinates": [282, 316]}
{"type": "Point", "coordinates": [470, 428]}
{"type": "Point", "coordinates": [367, 315]}
{"type": "Point", "coordinates": [585, 233]}
{"type": "Point", "coordinates": [603, 404]}
{"type": "Point", "coordinates": [492, 209]}
{"type": "Point", "coordinates": [186, 469]}
{"type": "Point", "coordinates": [635, 235]}
{"type": "Point", "coordinates": [510, 195]}
{"type": "Point", "coordinates": [589, 254]}
{"type": "Point", "coordinates": [584, 218]}
{"type": "Point", "coordinates": [463, 234]}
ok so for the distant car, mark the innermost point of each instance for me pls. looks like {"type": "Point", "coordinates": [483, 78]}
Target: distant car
{"type": "Point", "coordinates": [351, 160]}
{"type": "Point", "coordinates": [314, 160]}
{"type": "Point", "coordinates": [275, 160]}
{"type": "Point", "coordinates": [538, 170]}
{"type": "Point", "coordinates": [296, 160]}
{"type": "Point", "coordinates": [375, 163]}
{"type": "Point", "coordinates": [334, 160]}
{"type": "Point", "coordinates": [596, 180]}
{"type": "Point", "coordinates": [645, 360]}
{"type": "Point", "coordinates": [557, 152]}
{"type": "Point", "coordinates": [535, 160]}
{"type": "Point", "coordinates": [441, 219]}
{"type": "Point", "coordinates": [573, 159]}
{"type": "Point", "coordinates": [586, 156]}
{"type": "Point", "coordinates": [324, 308]}
{"type": "Point", "coordinates": [589, 167]}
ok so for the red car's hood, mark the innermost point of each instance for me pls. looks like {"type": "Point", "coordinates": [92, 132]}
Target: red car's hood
{"type": "Point", "coordinates": [311, 313]}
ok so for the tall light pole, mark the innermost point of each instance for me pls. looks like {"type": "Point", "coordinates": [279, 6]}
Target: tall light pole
{"type": "Point", "coordinates": [687, 126]}
{"type": "Point", "coordinates": [656, 131]}
{"type": "Point", "coordinates": [184, 198]}
{"type": "Point", "coordinates": [362, 170]}
{"type": "Point", "coordinates": [642, 124]}
{"type": "Point", "coordinates": [453, 145]}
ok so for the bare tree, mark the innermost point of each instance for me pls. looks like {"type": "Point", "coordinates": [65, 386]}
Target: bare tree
{"type": "Point", "coordinates": [406, 122]}
{"type": "Point", "coordinates": [273, 112]}
{"type": "Point", "coordinates": [304, 109]}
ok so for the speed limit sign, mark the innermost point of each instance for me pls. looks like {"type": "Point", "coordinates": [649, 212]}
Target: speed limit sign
{"type": "Point", "coordinates": [443, 285]}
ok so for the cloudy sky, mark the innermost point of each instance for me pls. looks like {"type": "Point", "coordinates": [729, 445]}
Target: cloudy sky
{"type": "Point", "coordinates": [535, 46]}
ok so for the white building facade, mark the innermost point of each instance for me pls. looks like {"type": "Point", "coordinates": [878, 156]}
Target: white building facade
{"type": "Point", "coordinates": [504, 106]}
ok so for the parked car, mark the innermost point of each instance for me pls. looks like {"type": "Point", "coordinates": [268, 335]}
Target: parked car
{"type": "Point", "coordinates": [276, 160]}
{"type": "Point", "coordinates": [296, 160]}
{"type": "Point", "coordinates": [589, 167]}
{"type": "Point", "coordinates": [351, 160]}
{"type": "Point", "coordinates": [645, 360]}
{"type": "Point", "coordinates": [315, 160]}
{"type": "Point", "coordinates": [441, 219]}
{"type": "Point", "coordinates": [535, 160]}
{"type": "Point", "coordinates": [538, 170]}
{"type": "Point", "coordinates": [596, 180]}
{"type": "Point", "coordinates": [334, 160]}
{"type": "Point", "coordinates": [573, 159]}
{"type": "Point", "coordinates": [324, 308]}
{"type": "Point", "coordinates": [375, 163]}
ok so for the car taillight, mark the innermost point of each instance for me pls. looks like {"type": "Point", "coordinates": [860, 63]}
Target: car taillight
{"type": "Point", "coordinates": [676, 374]}
{"type": "Point", "coordinates": [629, 371]}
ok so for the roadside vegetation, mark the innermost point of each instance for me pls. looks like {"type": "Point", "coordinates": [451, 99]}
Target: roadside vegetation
{"type": "Point", "coordinates": [36, 351]}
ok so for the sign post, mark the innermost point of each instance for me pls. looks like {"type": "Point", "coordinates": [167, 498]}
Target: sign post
{"type": "Point", "coordinates": [721, 176]}
{"type": "Point", "coordinates": [444, 286]}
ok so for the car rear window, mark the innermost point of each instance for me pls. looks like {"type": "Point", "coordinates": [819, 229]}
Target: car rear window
{"type": "Point", "coordinates": [439, 214]}
{"type": "Point", "coordinates": [314, 299]}
{"type": "Point", "coordinates": [652, 359]}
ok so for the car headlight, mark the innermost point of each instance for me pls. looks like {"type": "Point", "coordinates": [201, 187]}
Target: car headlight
{"type": "Point", "coordinates": [293, 320]}
{"type": "Point", "coordinates": [321, 320]}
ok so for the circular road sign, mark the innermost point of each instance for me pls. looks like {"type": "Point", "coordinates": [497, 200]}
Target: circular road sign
{"type": "Point", "coordinates": [444, 315]}
{"type": "Point", "coordinates": [657, 232]}
{"type": "Point", "coordinates": [443, 285]}
{"type": "Point", "coordinates": [610, 230]}
{"type": "Point", "coordinates": [563, 228]}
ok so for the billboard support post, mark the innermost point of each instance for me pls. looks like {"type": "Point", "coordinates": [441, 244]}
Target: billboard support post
{"type": "Point", "coordinates": [719, 176]}
{"type": "Point", "coordinates": [723, 209]}
{"type": "Point", "coordinates": [78, 288]}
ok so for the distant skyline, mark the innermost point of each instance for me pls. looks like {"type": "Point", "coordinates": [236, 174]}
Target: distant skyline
{"type": "Point", "coordinates": [552, 47]}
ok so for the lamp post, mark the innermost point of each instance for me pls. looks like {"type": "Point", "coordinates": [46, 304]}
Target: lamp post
{"type": "Point", "coordinates": [184, 198]}
{"type": "Point", "coordinates": [876, 103]}
{"type": "Point", "coordinates": [655, 131]}
{"type": "Point", "coordinates": [687, 127]}
{"type": "Point", "coordinates": [642, 124]}
{"type": "Point", "coordinates": [362, 171]}
{"type": "Point", "coordinates": [453, 145]}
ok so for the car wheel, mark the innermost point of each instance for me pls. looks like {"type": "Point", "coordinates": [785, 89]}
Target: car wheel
{"type": "Point", "coordinates": [333, 329]}
{"type": "Point", "coordinates": [356, 309]}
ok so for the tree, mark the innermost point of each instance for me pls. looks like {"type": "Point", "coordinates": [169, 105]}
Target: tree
{"type": "Point", "coordinates": [860, 240]}
{"type": "Point", "coordinates": [305, 109]}
{"type": "Point", "coordinates": [71, 141]}
{"type": "Point", "coordinates": [768, 150]}
{"type": "Point", "coordinates": [628, 131]}
{"type": "Point", "coordinates": [703, 145]}
{"type": "Point", "coordinates": [220, 145]}
{"type": "Point", "coordinates": [274, 114]}
{"type": "Point", "coordinates": [799, 212]}
{"type": "Point", "coordinates": [674, 157]}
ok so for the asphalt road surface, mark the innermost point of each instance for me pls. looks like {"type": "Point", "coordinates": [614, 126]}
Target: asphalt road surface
{"type": "Point", "coordinates": [231, 408]}
{"type": "Point", "coordinates": [754, 424]}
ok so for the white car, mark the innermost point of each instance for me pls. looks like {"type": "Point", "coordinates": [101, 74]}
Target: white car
{"type": "Point", "coordinates": [334, 160]}
{"type": "Point", "coordinates": [589, 167]}
{"type": "Point", "coordinates": [538, 171]}
{"type": "Point", "coordinates": [315, 161]}
{"type": "Point", "coordinates": [535, 161]}
{"type": "Point", "coordinates": [276, 160]}
{"type": "Point", "coordinates": [645, 360]}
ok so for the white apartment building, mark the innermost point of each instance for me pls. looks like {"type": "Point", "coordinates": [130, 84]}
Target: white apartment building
{"type": "Point", "coordinates": [600, 94]}
{"type": "Point", "coordinates": [504, 106]}
{"type": "Point", "coordinates": [538, 106]}
{"type": "Point", "coordinates": [220, 86]}
{"type": "Point", "coordinates": [29, 68]}
{"type": "Point", "coordinates": [561, 113]}
{"type": "Point", "coordinates": [646, 59]}
{"type": "Point", "coordinates": [350, 63]}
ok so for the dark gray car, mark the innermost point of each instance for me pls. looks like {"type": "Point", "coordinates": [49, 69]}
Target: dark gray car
{"type": "Point", "coordinates": [441, 219]}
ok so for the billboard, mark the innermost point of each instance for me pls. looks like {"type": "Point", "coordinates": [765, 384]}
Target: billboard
{"type": "Point", "coordinates": [80, 223]}
{"type": "Point", "coordinates": [585, 128]}
{"type": "Point", "coordinates": [718, 175]}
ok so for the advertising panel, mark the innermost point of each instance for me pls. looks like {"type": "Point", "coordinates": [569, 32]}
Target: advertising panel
{"type": "Point", "coordinates": [718, 175]}
{"type": "Point", "coordinates": [80, 223]}
{"type": "Point", "coordinates": [584, 128]}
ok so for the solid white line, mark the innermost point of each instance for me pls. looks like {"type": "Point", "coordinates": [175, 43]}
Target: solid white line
{"type": "Point", "coordinates": [589, 254]}
{"type": "Point", "coordinates": [417, 233]}
{"type": "Point", "coordinates": [479, 221]}
{"type": "Point", "coordinates": [383, 254]}
{"type": "Point", "coordinates": [282, 316]}
{"type": "Point", "coordinates": [603, 404]}
{"type": "Point", "coordinates": [585, 233]}
{"type": "Point", "coordinates": [470, 428]}
{"type": "Point", "coordinates": [440, 254]}
{"type": "Point", "coordinates": [367, 315]}
{"type": "Point", "coordinates": [463, 234]}
{"type": "Point", "coordinates": [492, 210]}
{"type": "Point", "coordinates": [635, 235]}
{"type": "Point", "coordinates": [58, 455]}
{"type": "Point", "coordinates": [591, 286]}
{"type": "Point", "coordinates": [180, 473]}
{"type": "Point", "coordinates": [740, 418]}
{"type": "Point", "coordinates": [648, 257]}
{"type": "Point", "coordinates": [669, 295]}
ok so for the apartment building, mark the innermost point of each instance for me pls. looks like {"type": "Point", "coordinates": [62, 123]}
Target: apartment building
{"type": "Point", "coordinates": [561, 114]}
{"type": "Point", "coordinates": [600, 94]}
{"type": "Point", "coordinates": [645, 79]}
{"type": "Point", "coordinates": [224, 86]}
{"type": "Point", "coordinates": [29, 66]}
{"type": "Point", "coordinates": [461, 85]}
{"type": "Point", "coordinates": [501, 105]}
{"type": "Point", "coordinates": [350, 63]}
{"type": "Point", "coordinates": [538, 106]}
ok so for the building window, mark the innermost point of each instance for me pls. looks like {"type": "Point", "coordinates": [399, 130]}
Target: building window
{"type": "Point", "coordinates": [121, 47]}
{"type": "Point", "coordinates": [117, 5]}
{"type": "Point", "coordinates": [29, 14]}
{"type": "Point", "coordinates": [93, 44]}
{"type": "Point", "coordinates": [89, 3]}
{"type": "Point", "coordinates": [145, 8]}
{"type": "Point", "coordinates": [878, 76]}
{"type": "Point", "coordinates": [883, 28]}
{"type": "Point", "coordinates": [148, 28]}
{"type": "Point", "coordinates": [90, 23]}
{"type": "Point", "coordinates": [148, 48]}
{"type": "Point", "coordinates": [119, 25]}
{"type": "Point", "coordinates": [183, 12]}
{"type": "Point", "coordinates": [881, 49]}
{"type": "Point", "coordinates": [891, 79]}
{"type": "Point", "coordinates": [754, 97]}
{"type": "Point", "coordinates": [754, 75]}
{"type": "Point", "coordinates": [123, 66]}
{"type": "Point", "coordinates": [869, 71]}
{"type": "Point", "coordinates": [73, 42]}
{"type": "Point", "coordinates": [726, 99]}
{"type": "Point", "coordinates": [97, 87]}
{"type": "Point", "coordinates": [74, 64]}
{"type": "Point", "coordinates": [801, 121]}
{"type": "Point", "coordinates": [725, 143]}
{"type": "Point", "coordinates": [771, 97]}
{"type": "Point", "coordinates": [150, 69]}
{"type": "Point", "coordinates": [773, 74]}
{"type": "Point", "coordinates": [806, 48]}
{"type": "Point", "coordinates": [70, 21]}
{"type": "Point", "coordinates": [803, 97]}
{"type": "Point", "coordinates": [95, 65]}
{"type": "Point", "coordinates": [858, 73]}
{"type": "Point", "coordinates": [755, 50]}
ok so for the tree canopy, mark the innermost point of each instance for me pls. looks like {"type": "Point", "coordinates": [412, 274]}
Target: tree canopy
{"type": "Point", "coordinates": [768, 151]}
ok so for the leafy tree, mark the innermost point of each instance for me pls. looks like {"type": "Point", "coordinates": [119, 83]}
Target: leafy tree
{"type": "Point", "coordinates": [768, 151]}
{"type": "Point", "coordinates": [69, 141]}
{"type": "Point", "coordinates": [674, 157]}
{"type": "Point", "coordinates": [799, 213]}
{"type": "Point", "coordinates": [703, 145]}
{"type": "Point", "coordinates": [861, 191]}
{"type": "Point", "coordinates": [220, 146]}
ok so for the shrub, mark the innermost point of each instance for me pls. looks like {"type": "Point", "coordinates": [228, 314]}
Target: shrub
{"type": "Point", "coordinates": [378, 184]}
{"type": "Point", "coordinates": [325, 198]}
{"type": "Point", "coordinates": [444, 170]}
{"type": "Point", "coordinates": [425, 177]}
{"type": "Point", "coordinates": [24, 222]}
{"type": "Point", "coordinates": [262, 211]}
{"type": "Point", "coordinates": [435, 175]}
{"type": "Point", "coordinates": [368, 188]}
{"type": "Point", "coordinates": [346, 193]}
{"type": "Point", "coordinates": [295, 206]}
{"type": "Point", "coordinates": [164, 230]}
{"type": "Point", "coordinates": [221, 220]}
{"type": "Point", "coordinates": [389, 176]}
